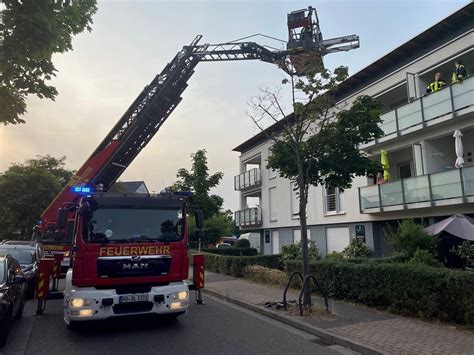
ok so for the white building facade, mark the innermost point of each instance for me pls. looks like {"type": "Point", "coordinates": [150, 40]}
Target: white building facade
{"type": "Point", "coordinates": [419, 128]}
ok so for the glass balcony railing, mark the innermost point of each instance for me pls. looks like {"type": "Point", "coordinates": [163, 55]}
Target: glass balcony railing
{"type": "Point", "coordinates": [248, 179]}
{"type": "Point", "coordinates": [425, 188]}
{"type": "Point", "coordinates": [248, 217]}
{"type": "Point", "coordinates": [426, 108]}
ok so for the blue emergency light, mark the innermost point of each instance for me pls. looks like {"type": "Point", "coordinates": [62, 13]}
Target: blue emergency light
{"type": "Point", "coordinates": [82, 189]}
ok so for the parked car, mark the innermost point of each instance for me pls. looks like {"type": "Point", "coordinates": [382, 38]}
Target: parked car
{"type": "Point", "coordinates": [28, 259]}
{"type": "Point", "coordinates": [38, 246]}
{"type": "Point", "coordinates": [223, 245]}
{"type": "Point", "coordinates": [228, 240]}
{"type": "Point", "coordinates": [12, 294]}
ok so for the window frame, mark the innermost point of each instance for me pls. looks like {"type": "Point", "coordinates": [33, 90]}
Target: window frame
{"type": "Point", "coordinates": [338, 204]}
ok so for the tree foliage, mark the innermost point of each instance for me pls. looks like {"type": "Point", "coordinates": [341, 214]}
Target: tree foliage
{"type": "Point", "coordinates": [217, 226]}
{"type": "Point", "coordinates": [317, 144]}
{"type": "Point", "coordinates": [26, 190]}
{"type": "Point", "coordinates": [200, 183]}
{"type": "Point", "coordinates": [31, 31]}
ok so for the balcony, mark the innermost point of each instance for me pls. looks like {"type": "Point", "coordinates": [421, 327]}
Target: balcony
{"type": "Point", "coordinates": [248, 217]}
{"type": "Point", "coordinates": [444, 188]}
{"type": "Point", "coordinates": [247, 180]}
{"type": "Point", "coordinates": [427, 111]}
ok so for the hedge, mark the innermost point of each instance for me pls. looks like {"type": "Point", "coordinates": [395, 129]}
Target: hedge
{"type": "Point", "coordinates": [408, 289]}
{"type": "Point", "coordinates": [235, 265]}
{"type": "Point", "coordinates": [232, 251]}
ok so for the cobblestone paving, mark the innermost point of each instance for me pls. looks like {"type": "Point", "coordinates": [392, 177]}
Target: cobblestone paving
{"type": "Point", "coordinates": [409, 336]}
{"type": "Point", "coordinates": [386, 332]}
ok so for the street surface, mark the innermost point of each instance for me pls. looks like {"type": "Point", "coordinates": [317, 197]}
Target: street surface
{"type": "Point", "coordinates": [216, 328]}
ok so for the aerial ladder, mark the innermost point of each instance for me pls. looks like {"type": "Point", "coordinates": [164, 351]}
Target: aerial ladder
{"type": "Point", "coordinates": [157, 101]}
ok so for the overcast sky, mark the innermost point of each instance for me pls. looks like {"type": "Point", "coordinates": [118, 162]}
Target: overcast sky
{"type": "Point", "coordinates": [132, 41]}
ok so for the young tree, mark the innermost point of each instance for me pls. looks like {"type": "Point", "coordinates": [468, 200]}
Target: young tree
{"type": "Point", "coordinates": [317, 144]}
{"type": "Point", "coordinates": [199, 182]}
{"type": "Point", "coordinates": [31, 31]}
{"type": "Point", "coordinates": [26, 190]}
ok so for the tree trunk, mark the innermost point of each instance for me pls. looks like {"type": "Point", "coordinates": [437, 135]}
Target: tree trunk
{"type": "Point", "coordinates": [303, 201]}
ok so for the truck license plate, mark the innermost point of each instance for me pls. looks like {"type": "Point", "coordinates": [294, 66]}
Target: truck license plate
{"type": "Point", "coordinates": [133, 298]}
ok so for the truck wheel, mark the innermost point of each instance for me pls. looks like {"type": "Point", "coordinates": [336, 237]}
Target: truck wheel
{"type": "Point", "coordinates": [73, 325]}
{"type": "Point", "coordinates": [19, 313]}
{"type": "Point", "coordinates": [172, 316]}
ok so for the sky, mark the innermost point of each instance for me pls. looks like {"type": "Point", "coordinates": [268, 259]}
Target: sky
{"type": "Point", "coordinates": [132, 41]}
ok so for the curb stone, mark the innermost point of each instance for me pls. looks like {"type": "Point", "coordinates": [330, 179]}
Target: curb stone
{"type": "Point", "coordinates": [319, 332]}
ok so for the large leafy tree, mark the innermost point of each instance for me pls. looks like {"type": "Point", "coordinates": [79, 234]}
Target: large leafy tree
{"type": "Point", "coordinates": [26, 189]}
{"type": "Point", "coordinates": [200, 183]}
{"type": "Point", "coordinates": [217, 226]}
{"type": "Point", "coordinates": [316, 144]}
{"type": "Point", "coordinates": [31, 31]}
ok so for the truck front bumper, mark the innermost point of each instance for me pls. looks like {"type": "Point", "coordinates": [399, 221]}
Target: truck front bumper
{"type": "Point", "coordinates": [89, 303]}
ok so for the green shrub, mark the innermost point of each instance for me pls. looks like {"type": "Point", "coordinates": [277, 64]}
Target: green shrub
{"type": "Point", "coordinates": [334, 255]}
{"type": "Point", "coordinates": [357, 249]}
{"type": "Point", "coordinates": [266, 275]}
{"type": "Point", "coordinates": [465, 251]}
{"type": "Point", "coordinates": [232, 251]}
{"type": "Point", "coordinates": [424, 257]}
{"type": "Point", "coordinates": [409, 289]}
{"type": "Point", "coordinates": [235, 265]}
{"type": "Point", "coordinates": [242, 243]}
{"type": "Point", "coordinates": [410, 237]}
{"type": "Point", "coordinates": [294, 252]}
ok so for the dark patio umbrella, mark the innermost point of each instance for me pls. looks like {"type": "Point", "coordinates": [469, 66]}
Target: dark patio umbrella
{"type": "Point", "coordinates": [458, 225]}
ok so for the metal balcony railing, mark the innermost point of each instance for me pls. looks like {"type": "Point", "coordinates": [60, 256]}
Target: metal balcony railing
{"type": "Point", "coordinates": [455, 183]}
{"type": "Point", "coordinates": [248, 217]}
{"type": "Point", "coordinates": [248, 179]}
{"type": "Point", "coordinates": [420, 111]}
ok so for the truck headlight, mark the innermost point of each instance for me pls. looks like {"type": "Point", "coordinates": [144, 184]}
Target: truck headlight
{"type": "Point", "coordinates": [182, 295]}
{"type": "Point", "coordinates": [67, 254]}
{"type": "Point", "coordinates": [79, 302]}
{"type": "Point", "coordinates": [178, 305]}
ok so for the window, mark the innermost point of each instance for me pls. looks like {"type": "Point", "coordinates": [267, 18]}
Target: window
{"type": "Point", "coordinates": [275, 242]}
{"type": "Point", "coordinates": [272, 200]}
{"type": "Point", "coordinates": [333, 200]}
{"type": "Point", "coordinates": [404, 170]}
{"type": "Point", "coordinates": [337, 238]}
{"type": "Point", "coordinates": [295, 200]}
{"type": "Point", "coordinates": [271, 173]}
{"type": "Point", "coordinates": [297, 235]}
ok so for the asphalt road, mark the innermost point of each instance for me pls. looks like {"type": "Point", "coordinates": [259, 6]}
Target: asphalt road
{"type": "Point", "coordinates": [215, 328]}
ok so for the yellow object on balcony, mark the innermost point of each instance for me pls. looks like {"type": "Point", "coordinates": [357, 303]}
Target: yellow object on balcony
{"type": "Point", "coordinates": [385, 164]}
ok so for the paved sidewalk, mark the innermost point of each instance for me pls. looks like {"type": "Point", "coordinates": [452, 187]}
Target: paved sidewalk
{"type": "Point", "coordinates": [378, 332]}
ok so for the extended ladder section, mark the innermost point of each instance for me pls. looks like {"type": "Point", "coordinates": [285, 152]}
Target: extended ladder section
{"type": "Point", "coordinates": [157, 101]}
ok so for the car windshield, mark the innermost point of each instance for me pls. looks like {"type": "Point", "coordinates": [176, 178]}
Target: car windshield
{"type": "Point", "coordinates": [130, 225]}
{"type": "Point", "coordinates": [22, 256]}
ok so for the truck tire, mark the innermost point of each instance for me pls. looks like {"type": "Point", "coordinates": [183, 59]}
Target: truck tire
{"type": "Point", "coordinates": [172, 316]}
{"type": "Point", "coordinates": [73, 325]}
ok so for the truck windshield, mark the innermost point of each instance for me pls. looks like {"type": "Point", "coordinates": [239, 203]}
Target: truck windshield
{"type": "Point", "coordinates": [132, 225]}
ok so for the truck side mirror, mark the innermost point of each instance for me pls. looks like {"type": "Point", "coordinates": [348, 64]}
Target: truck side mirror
{"type": "Point", "coordinates": [85, 207]}
{"type": "Point", "coordinates": [61, 218]}
{"type": "Point", "coordinates": [199, 218]}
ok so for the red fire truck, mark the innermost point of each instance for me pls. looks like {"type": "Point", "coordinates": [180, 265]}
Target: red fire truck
{"type": "Point", "coordinates": [128, 253]}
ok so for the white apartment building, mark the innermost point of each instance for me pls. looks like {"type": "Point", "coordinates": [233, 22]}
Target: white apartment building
{"type": "Point", "coordinates": [418, 138]}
